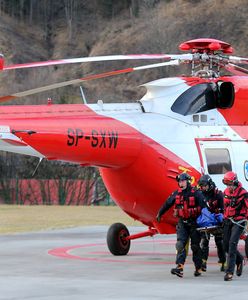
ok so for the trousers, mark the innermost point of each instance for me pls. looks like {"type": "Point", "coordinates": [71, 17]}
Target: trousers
{"type": "Point", "coordinates": [205, 238]}
{"type": "Point", "coordinates": [232, 233]}
{"type": "Point", "coordinates": [187, 231]}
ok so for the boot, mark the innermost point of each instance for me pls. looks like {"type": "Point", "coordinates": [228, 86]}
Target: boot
{"type": "Point", "coordinates": [204, 265]}
{"type": "Point", "coordinates": [197, 272]}
{"type": "Point", "coordinates": [178, 270]}
{"type": "Point", "coordinates": [222, 267]}
{"type": "Point", "coordinates": [239, 268]}
{"type": "Point", "coordinates": [228, 277]}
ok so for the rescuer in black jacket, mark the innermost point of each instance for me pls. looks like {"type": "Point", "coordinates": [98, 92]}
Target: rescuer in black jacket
{"type": "Point", "coordinates": [188, 203]}
{"type": "Point", "coordinates": [214, 201]}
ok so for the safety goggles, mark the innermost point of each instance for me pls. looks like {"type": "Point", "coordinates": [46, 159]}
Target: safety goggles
{"type": "Point", "coordinates": [228, 182]}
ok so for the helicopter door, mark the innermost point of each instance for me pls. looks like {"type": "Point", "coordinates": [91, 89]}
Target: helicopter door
{"type": "Point", "coordinates": [216, 159]}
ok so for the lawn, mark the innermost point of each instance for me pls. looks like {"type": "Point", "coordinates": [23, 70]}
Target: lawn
{"type": "Point", "coordinates": [15, 218]}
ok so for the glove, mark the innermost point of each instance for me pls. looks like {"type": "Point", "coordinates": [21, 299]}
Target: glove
{"type": "Point", "coordinates": [158, 218]}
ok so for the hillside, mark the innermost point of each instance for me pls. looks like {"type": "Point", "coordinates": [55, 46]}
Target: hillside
{"type": "Point", "coordinates": [157, 28]}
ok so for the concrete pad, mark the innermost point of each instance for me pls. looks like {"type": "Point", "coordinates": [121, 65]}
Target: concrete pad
{"type": "Point", "coordinates": [76, 264]}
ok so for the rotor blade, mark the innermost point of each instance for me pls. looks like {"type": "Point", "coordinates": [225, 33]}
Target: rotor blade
{"type": "Point", "coordinates": [238, 60]}
{"type": "Point", "coordinates": [236, 70]}
{"type": "Point", "coordinates": [90, 77]}
{"type": "Point", "coordinates": [97, 59]}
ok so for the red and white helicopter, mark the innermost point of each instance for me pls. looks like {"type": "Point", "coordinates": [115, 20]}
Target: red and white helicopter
{"type": "Point", "coordinates": [196, 123]}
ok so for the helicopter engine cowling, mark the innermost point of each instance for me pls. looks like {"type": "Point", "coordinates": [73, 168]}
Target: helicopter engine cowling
{"type": "Point", "coordinates": [226, 94]}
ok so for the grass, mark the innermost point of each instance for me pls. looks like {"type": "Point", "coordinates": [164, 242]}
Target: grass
{"type": "Point", "coordinates": [14, 219]}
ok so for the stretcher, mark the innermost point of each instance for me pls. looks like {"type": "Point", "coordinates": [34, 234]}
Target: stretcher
{"type": "Point", "coordinates": [213, 230]}
{"type": "Point", "coordinates": [217, 230]}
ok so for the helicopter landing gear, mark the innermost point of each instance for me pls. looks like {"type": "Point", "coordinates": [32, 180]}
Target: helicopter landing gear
{"type": "Point", "coordinates": [119, 239]}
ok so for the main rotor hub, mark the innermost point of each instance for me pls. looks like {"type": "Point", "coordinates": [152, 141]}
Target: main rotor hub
{"type": "Point", "coordinates": [206, 46]}
{"type": "Point", "coordinates": [207, 59]}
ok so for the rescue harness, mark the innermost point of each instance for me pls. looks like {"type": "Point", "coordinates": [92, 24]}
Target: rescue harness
{"type": "Point", "coordinates": [186, 206]}
{"type": "Point", "coordinates": [234, 204]}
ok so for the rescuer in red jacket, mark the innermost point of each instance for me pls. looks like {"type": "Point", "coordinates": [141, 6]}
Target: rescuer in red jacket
{"type": "Point", "coordinates": [188, 203]}
{"type": "Point", "coordinates": [235, 220]}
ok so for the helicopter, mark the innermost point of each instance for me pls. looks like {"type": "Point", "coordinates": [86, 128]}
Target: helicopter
{"type": "Point", "coordinates": [193, 123]}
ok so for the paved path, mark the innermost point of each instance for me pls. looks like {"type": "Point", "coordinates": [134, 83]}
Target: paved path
{"type": "Point", "coordinates": [75, 264]}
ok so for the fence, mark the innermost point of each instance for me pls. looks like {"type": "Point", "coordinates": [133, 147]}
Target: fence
{"type": "Point", "coordinates": [51, 192]}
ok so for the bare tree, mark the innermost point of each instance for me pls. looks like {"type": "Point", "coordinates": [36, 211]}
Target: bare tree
{"type": "Point", "coordinates": [70, 13]}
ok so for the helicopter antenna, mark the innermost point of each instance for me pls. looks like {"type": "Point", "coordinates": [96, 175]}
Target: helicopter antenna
{"type": "Point", "coordinates": [83, 95]}
{"type": "Point", "coordinates": [40, 160]}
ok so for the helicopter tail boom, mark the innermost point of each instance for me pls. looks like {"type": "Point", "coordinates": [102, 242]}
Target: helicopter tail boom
{"type": "Point", "coordinates": [76, 134]}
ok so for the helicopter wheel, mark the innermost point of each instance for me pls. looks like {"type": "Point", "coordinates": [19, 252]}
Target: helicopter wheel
{"type": "Point", "coordinates": [116, 241]}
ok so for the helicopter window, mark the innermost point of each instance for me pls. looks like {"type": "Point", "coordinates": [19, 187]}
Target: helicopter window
{"type": "Point", "coordinates": [198, 98]}
{"type": "Point", "coordinates": [199, 118]}
{"type": "Point", "coordinates": [218, 161]}
{"type": "Point", "coordinates": [204, 118]}
{"type": "Point", "coordinates": [196, 118]}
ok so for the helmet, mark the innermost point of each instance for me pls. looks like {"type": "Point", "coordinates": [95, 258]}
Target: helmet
{"type": "Point", "coordinates": [230, 178]}
{"type": "Point", "coordinates": [183, 176]}
{"type": "Point", "coordinates": [206, 180]}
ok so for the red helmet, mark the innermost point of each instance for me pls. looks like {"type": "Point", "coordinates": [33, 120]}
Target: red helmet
{"type": "Point", "coordinates": [230, 178]}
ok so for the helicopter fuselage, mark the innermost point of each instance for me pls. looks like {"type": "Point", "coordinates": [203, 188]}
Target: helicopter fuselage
{"type": "Point", "coordinates": [139, 147]}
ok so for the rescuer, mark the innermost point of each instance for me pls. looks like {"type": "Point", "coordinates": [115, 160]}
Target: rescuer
{"type": "Point", "coordinates": [188, 203]}
{"type": "Point", "coordinates": [214, 201]}
{"type": "Point", "coordinates": [235, 221]}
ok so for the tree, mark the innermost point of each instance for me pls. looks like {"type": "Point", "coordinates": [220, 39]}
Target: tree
{"type": "Point", "coordinates": [70, 14]}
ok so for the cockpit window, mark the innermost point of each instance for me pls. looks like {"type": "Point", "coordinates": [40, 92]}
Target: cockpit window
{"type": "Point", "coordinates": [198, 98]}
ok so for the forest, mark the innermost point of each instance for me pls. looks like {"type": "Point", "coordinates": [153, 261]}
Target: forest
{"type": "Point", "coordinates": [32, 30]}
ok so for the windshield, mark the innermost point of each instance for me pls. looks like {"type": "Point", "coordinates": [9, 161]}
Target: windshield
{"type": "Point", "coordinates": [198, 98]}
